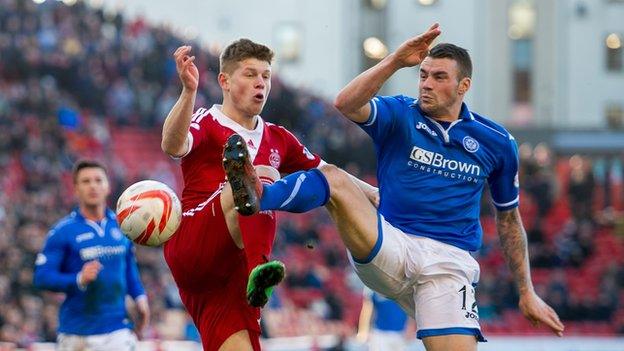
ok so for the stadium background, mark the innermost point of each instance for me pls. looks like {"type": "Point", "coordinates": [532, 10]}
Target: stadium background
{"type": "Point", "coordinates": [96, 79]}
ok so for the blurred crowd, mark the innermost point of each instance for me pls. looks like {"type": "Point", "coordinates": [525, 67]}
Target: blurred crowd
{"type": "Point", "coordinates": [72, 75]}
{"type": "Point", "coordinates": [572, 211]}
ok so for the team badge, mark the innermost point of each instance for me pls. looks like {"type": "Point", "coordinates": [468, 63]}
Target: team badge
{"type": "Point", "coordinates": [116, 234]}
{"type": "Point", "coordinates": [274, 158]}
{"type": "Point", "coordinates": [470, 144]}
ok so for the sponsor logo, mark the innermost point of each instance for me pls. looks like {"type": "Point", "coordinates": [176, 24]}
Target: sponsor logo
{"type": "Point", "coordinates": [433, 162]}
{"type": "Point", "coordinates": [102, 252]}
{"type": "Point", "coordinates": [250, 144]}
{"type": "Point", "coordinates": [274, 158]}
{"type": "Point", "coordinates": [516, 181]}
{"type": "Point", "coordinates": [471, 315]}
{"type": "Point", "coordinates": [421, 125]}
{"type": "Point", "coordinates": [437, 160]}
{"type": "Point", "coordinates": [470, 144]}
{"type": "Point", "coordinates": [84, 236]}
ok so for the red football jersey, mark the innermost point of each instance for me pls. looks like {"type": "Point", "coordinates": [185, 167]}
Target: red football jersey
{"type": "Point", "coordinates": [268, 144]}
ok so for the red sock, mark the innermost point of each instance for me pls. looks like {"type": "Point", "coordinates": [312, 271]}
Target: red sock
{"type": "Point", "coordinates": [258, 232]}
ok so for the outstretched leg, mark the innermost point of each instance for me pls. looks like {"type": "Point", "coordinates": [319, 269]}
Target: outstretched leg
{"type": "Point", "coordinates": [353, 213]}
{"type": "Point", "coordinates": [298, 192]}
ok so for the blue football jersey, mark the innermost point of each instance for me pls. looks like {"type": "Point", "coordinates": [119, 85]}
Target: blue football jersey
{"type": "Point", "coordinates": [388, 315]}
{"type": "Point", "coordinates": [431, 178]}
{"type": "Point", "coordinates": [99, 307]}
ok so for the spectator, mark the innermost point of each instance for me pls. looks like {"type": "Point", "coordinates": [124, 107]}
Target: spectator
{"type": "Point", "coordinates": [581, 188]}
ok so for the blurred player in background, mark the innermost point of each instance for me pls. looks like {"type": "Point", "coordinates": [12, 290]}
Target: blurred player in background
{"type": "Point", "coordinates": [219, 259]}
{"type": "Point", "coordinates": [88, 258]}
{"type": "Point", "coordinates": [434, 156]}
{"type": "Point", "coordinates": [383, 324]}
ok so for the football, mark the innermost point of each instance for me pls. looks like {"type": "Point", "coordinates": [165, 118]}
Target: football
{"type": "Point", "coordinates": [149, 212]}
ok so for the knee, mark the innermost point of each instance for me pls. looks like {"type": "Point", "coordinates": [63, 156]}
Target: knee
{"type": "Point", "coordinates": [339, 181]}
{"type": "Point", "coordinates": [267, 174]}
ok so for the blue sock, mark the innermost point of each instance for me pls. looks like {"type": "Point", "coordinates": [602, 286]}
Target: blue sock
{"type": "Point", "coordinates": [298, 192]}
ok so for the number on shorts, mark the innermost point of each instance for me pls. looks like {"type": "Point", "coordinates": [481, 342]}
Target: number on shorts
{"type": "Point", "coordinates": [464, 291]}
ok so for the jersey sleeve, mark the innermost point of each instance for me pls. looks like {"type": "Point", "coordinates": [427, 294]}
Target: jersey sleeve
{"type": "Point", "coordinates": [298, 156]}
{"type": "Point", "coordinates": [198, 130]}
{"type": "Point", "coordinates": [384, 112]}
{"type": "Point", "coordinates": [135, 288]}
{"type": "Point", "coordinates": [48, 273]}
{"type": "Point", "coordinates": [504, 183]}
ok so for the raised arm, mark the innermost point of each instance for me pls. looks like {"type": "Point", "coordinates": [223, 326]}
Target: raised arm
{"type": "Point", "coordinates": [175, 129]}
{"type": "Point", "coordinates": [514, 243]}
{"type": "Point", "coordinates": [352, 101]}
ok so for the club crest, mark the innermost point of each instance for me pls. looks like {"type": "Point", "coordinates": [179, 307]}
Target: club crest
{"type": "Point", "coordinates": [470, 144]}
{"type": "Point", "coordinates": [274, 159]}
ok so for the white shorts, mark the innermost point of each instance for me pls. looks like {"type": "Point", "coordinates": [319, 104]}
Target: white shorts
{"type": "Point", "coordinates": [381, 340]}
{"type": "Point", "coordinates": [119, 340]}
{"type": "Point", "coordinates": [432, 281]}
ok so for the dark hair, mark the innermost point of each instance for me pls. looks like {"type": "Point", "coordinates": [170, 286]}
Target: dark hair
{"type": "Point", "coordinates": [82, 164]}
{"type": "Point", "coordinates": [240, 50]}
{"type": "Point", "coordinates": [456, 53]}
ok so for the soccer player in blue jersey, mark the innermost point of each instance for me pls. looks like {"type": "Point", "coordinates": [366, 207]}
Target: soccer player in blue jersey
{"type": "Point", "coordinates": [434, 157]}
{"type": "Point", "coordinates": [383, 324]}
{"type": "Point", "coordinates": [88, 258]}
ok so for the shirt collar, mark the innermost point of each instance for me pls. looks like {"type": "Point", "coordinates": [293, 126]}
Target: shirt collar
{"type": "Point", "coordinates": [464, 112]}
{"type": "Point", "coordinates": [216, 111]}
{"type": "Point", "coordinates": [108, 214]}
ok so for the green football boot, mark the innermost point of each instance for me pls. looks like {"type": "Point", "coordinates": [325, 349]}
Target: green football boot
{"type": "Point", "coordinates": [262, 279]}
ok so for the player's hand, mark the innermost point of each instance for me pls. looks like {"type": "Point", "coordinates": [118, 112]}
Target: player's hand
{"type": "Point", "coordinates": [187, 71]}
{"type": "Point", "coordinates": [89, 272]}
{"type": "Point", "coordinates": [143, 317]}
{"type": "Point", "coordinates": [537, 311]}
{"type": "Point", "coordinates": [413, 51]}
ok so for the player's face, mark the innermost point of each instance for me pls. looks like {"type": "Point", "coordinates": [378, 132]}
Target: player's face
{"type": "Point", "coordinates": [439, 86]}
{"type": "Point", "coordinates": [249, 85]}
{"type": "Point", "coordinates": [91, 187]}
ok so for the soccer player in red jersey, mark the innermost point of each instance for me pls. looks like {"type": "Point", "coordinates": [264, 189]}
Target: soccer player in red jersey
{"type": "Point", "coordinates": [216, 252]}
